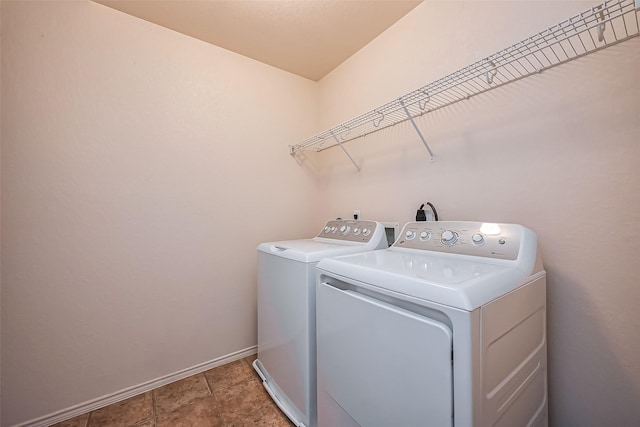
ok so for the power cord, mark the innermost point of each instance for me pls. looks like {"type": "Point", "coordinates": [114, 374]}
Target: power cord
{"type": "Point", "coordinates": [422, 216]}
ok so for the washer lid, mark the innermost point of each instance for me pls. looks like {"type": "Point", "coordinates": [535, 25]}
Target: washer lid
{"type": "Point", "coordinates": [464, 282]}
{"type": "Point", "coordinates": [338, 237]}
{"type": "Point", "coordinates": [311, 250]}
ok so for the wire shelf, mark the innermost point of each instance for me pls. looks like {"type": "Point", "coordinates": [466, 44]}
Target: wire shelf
{"type": "Point", "coordinates": [604, 25]}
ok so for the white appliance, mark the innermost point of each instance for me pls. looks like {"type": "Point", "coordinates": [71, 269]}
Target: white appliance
{"type": "Point", "coordinates": [446, 327]}
{"type": "Point", "coordinates": [286, 310]}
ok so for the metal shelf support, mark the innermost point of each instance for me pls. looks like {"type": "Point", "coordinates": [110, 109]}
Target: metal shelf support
{"type": "Point", "coordinates": [345, 151]}
{"type": "Point", "coordinates": [608, 23]}
{"type": "Point", "coordinates": [415, 126]}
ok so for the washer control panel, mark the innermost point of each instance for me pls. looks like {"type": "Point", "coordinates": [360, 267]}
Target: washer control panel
{"type": "Point", "coordinates": [490, 240]}
{"type": "Point", "coordinates": [351, 230]}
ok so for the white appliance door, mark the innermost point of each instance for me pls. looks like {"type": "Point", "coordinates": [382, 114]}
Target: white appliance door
{"type": "Point", "coordinates": [380, 365]}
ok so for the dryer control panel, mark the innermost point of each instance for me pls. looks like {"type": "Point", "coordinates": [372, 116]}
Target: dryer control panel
{"type": "Point", "coordinates": [351, 230]}
{"type": "Point", "coordinates": [501, 241]}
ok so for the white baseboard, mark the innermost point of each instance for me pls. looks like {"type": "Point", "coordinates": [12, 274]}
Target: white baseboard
{"type": "Point", "coordinates": [126, 393]}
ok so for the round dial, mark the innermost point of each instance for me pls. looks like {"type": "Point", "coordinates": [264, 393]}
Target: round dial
{"type": "Point", "coordinates": [327, 229]}
{"type": "Point", "coordinates": [356, 231]}
{"type": "Point", "coordinates": [449, 237]}
{"type": "Point", "coordinates": [366, 231]}
{"type": "Point", "coordinates": [425, 235]}
{"type": "Point", "coordinates": [345, 229]}
{"type": "Point", "coordinates": [333, 229]}
{"type": "Point", "coordinates": [410, 235]}
{"type": "Point", "coordinates": [477, 239]}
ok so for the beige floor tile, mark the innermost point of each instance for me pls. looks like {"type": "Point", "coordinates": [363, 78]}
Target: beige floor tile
{"type": "Point", "coordinates": [201, 413]}
{"type": "Point", "coordinates": [268, 416]}
{"type": "Point", "coordinates": [133, 411]}
{"type": "Point", "coordinates": [79, 421]}
{"type": "Point", "coordinates": [241, 400]}
{"type": "Point", "coordinates": [229, 374]}
{"type": "Point", "coordinates": [250, 359]}
{"type": "Point", "coordinates": [238, 400]}
{"type": "Point", "coordinates": [172, 396]}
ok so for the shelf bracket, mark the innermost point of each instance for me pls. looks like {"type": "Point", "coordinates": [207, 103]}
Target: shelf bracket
{"type": "Point", "coordinates": [602, 25]}
{"type": "Point", "coordinates": [345, 151]}
{"type": "Point", "coordinates": [415, 126]}
{"type": "Point", "coordinates": [423, 102]}
{"type": "Point", "coordinates": [379, 119]}
{"type": "Point", "coordinates": [491, 73]}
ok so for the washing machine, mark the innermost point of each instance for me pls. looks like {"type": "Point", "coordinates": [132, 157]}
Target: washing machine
{"type": "Point", "coordinates": [447, 327]}
{"type": "Point", "coordinates": [286, 310]}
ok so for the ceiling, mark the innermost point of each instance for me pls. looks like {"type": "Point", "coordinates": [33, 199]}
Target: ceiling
{"type": "Point", "coordinates": [305, 37]}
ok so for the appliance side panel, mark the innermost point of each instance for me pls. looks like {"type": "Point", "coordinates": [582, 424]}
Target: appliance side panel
{"type": "Point", "coordinates": [532, 401]}
{"type": "Point", "coordinates": [283, 325]}
{"type": "Point", "coordinates": [514, 356]}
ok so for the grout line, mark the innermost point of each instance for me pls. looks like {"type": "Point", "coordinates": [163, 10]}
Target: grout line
{"type": "Point", "coordinates": [217, 409]}
{"type": "Point", "coordinates": [154, 412]}
{"type": "Point", "coordinates": [206, 378]}
{"type": "Point", "coordinates": [206, 381]}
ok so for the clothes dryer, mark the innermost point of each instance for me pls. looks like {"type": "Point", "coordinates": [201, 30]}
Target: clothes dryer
{"type": "Point", "coordinates": [446, 327]}
{"type": "Point", "coordinates": [286, 310]}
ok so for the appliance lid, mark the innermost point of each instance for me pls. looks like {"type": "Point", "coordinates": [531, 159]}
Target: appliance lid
{"type": "Point", "coordinates": [310, 250]}
{"type": "Point", "coordinates": [338, 237]}
{"type": "Point", "coordinates": [465, 282]}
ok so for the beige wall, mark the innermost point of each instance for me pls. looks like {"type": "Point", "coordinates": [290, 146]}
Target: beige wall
{"type": "Point", "coordinates": [0, 209]}
{"type": "Point", "coordinates": [140, 170]}
{"type": "Point", "coordinates": [557, 152]}
{"type": "Point", "coordinates": [134, 159]}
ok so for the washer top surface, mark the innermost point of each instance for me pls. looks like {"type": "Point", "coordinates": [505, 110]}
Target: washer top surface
{"type": "Point", "coordinates": [435, 269]}
{"type": "Point", "coordinates": [339, 237]}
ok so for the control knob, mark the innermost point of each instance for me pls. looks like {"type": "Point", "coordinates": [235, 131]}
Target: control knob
{"type": "Point", "coordinates": [478, 239]}
{"type": "Point", "coordinates": [425, 235]}
{"type": "Point", "coordinates": [356, 231]}
{"type": "Point", "coordinates": [410, 235]}
{"type": "Point", "coordinates": [449, 237]}
{"type": "Point", "coordinates": [366, 231]}
{"type": "Point", "coordinates": [345, 230]}
{"type": "Point", "coordinates": [327, 229]}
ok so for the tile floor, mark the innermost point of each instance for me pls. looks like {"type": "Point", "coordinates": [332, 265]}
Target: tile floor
{"type": "Point", "coordinates": [227, 396]}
